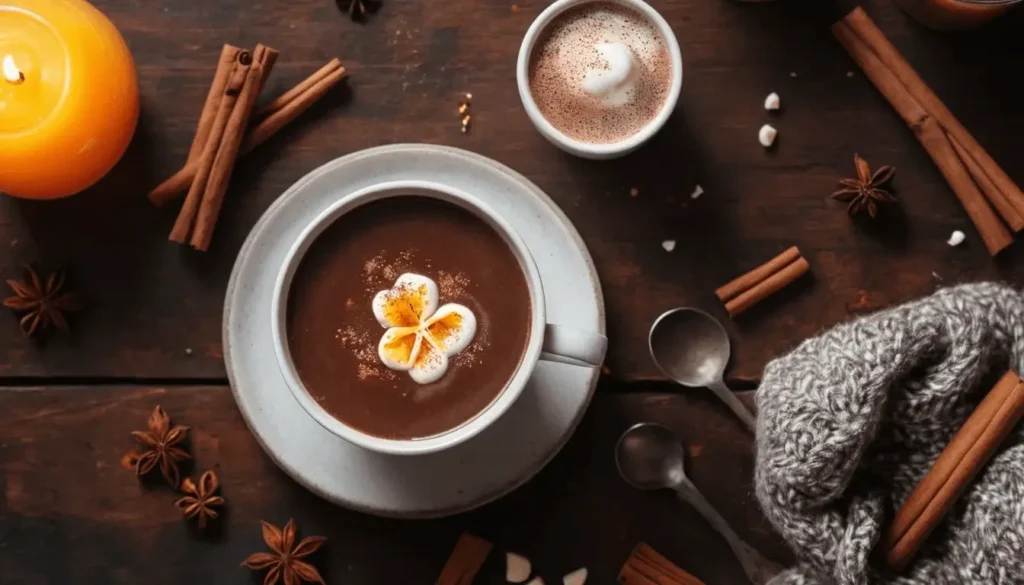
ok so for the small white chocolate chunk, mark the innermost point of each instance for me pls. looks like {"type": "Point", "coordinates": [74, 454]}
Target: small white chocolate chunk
{"type": "Point", "coordinates": [766, 136]}
{"type": "Point", "coordinates": [517, 568]}
{"type": "Point", "coordinates": [577, 577]}
{"type": "Point", "coordinates": [669, 245]}
{"type": "Point", "coordinates": [772, 102]}
{"type": "Point", "coordinates": [956, 238]}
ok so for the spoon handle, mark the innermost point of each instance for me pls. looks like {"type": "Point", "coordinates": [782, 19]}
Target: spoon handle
{"type": "Point", "coordinates": [757, 568]}
{"type": "Point", "coordinates": [732, 401]}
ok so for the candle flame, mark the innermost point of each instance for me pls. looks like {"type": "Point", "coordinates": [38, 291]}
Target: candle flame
{"type": "Point", "coordinates": [12, 74]}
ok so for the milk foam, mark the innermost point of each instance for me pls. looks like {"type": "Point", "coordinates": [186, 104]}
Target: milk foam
{"type": "Point", "coordinates": [601, 72]}
{"type": "Point", "coordinates": [420, 336]}
{"type": "Point", "coordinates": [614, 84]}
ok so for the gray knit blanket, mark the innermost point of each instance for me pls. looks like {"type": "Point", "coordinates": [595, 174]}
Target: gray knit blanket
{"type": "Point", "coordinates": [851, 420]}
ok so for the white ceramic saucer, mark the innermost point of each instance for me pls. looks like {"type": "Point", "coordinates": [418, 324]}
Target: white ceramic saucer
{"type": "Point", "coordinates": [503, 456]}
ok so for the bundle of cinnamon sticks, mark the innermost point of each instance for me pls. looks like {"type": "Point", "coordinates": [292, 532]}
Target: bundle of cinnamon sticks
{"type": "Point", "coordinates": [982, 187]}
{"type": "Point", "coordinates": [227, 128]}
{"type": "Point", "coordinates": [966, 454]}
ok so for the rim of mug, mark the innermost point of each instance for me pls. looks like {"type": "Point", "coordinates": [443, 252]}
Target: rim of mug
{"type": "Point", "coordinates": [486, 416]}
{"type": "Point", "coordinates": [652, 127]}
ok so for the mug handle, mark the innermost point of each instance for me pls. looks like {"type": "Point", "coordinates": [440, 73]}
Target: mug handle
{"type": "Point", "coordinates": [573, 346]}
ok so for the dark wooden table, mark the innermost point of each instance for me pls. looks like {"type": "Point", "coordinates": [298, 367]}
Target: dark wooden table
{"type": "Point", "coordinates": [70, 514]}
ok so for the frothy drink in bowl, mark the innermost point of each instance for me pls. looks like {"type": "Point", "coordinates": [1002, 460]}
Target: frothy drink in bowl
{"type": "Point", "coordinates": [600, 73]}
{"type": "Point", "coordinates": [598, 78]}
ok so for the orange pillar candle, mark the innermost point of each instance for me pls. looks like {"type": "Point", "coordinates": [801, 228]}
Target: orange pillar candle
{"type": "Point", "coordinates": [69, 99]}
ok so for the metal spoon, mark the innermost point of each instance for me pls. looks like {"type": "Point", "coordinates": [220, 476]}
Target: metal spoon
{"type": "Point", "coordinates": [692, 348]}
{"type": "Point", "coordinates": [650, 457]}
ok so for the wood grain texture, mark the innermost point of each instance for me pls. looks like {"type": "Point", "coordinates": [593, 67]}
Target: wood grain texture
{"type": "Point", "coordinates": [410, 63]}
{"type": "Point", "coordinates": [69, 513]}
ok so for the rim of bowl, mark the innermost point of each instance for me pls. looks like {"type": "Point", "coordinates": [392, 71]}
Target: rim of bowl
{"type": "Point", "coordinates": [535, 31]}
{"type": "Point", "coordinates": [479, 421]}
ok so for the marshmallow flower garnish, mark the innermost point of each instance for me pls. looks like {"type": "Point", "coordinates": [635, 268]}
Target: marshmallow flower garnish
{"type": "Point", "coordinates": [420, 336]}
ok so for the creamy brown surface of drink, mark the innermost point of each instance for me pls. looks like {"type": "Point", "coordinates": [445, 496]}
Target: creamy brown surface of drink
{"type": "Point", "coordinates": [333, 334]}
{"type": "Point", "coordinates": [567, 52]}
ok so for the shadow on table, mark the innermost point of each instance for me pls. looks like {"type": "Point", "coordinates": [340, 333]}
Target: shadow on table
{"type": "Point", "coordinates": [111, 220]}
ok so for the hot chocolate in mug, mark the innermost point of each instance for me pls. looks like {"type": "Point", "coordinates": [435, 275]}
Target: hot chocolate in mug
{"type": "Point", "coordinates": [545, 341]}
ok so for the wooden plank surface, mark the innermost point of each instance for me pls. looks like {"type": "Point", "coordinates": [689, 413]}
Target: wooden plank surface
{"type": "Point", "coordinates": [151, 300]}
{"type": "Point", "coordinates": [69, 513]}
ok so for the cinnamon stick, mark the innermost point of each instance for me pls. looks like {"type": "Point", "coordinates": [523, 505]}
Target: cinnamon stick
{"type": "Point", "coordinates": [1010, 214]}
{"type": "Point", "coordinates": [731, 290]}
{"type": "Point", "coordinates": [867, 30]}
{"type": "Point", "coordinates": [287, 97]}
{"type": "Point", "coordinates": [204, 164]}
{"type": "Point", "coordinates": [287, 112]}
{"type": "Point", "coordinates": [930, 134]}
{"type": "Point", "coordinates": [467, 557]}
{"type": "Point", "coordinates": [645, 566]}
{"type": "Point", "coordinates": [965, 455]}
{"type": "Point", "coordinates": [227, 153]}
{"type": "Point", "coordinates": [266, 57]}
{"type": "Point", "coordinates": [994, 234]}
{"type": "Point", "coordinates": [768, 287]}
{"type": "Point", "coordinates": [225, 65]}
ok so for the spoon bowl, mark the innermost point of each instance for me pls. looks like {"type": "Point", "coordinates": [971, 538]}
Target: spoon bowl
{"type": "Point", "coordinates": [650, 457]}
{"type": "Point", "coordinates": [692, 348]}
{"type": "Point", "coordinates": [689, 346]}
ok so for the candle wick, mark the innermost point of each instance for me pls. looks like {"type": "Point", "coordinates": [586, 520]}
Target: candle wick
{"type": "Point", "coordinates": [12, 74]}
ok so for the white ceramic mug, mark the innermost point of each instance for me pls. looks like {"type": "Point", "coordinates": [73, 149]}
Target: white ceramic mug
{"type": "Point", "coordinates": [589, 149]}
{"type": "Point", "coordinates": [546, 341]}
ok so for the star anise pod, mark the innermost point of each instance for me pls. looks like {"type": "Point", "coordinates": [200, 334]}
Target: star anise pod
{"type": "Point", "coordinates": [44, 304]}
{"type": "Point", "coordinates": [162, 444]}
{"type": "Point", "coordinates": [201, 499]}
{"type": "Point", "coordinates": [356, 8]}
{"type": "Point", "coordinates": [284, 560]}
{"type": "Point", "coordinates": [867, 190]}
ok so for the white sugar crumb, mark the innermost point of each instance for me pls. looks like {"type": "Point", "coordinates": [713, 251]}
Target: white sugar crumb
{"type": "Point", "coordinates": [792, 75]}
{"type": "Point", "coordinates": [577, 577]}
{"type": "Point", "coordinates": [669, 245]}
{"type": "Point", "coordinates": [634, 192]}
{"type": "Point", "coordinates": [849, 74]}
{"type": "Point", "coordinates": [772, 103]}
{"type": "Point", "coordinates": [697, 192]}
{"type": "Point", "coordinates": [766, 136]}
{"type": "Point", "coordinates": [956, 238]}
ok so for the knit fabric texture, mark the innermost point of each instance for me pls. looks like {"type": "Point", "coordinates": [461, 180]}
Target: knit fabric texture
{"type": "Point", "coordinates": [851, 420]}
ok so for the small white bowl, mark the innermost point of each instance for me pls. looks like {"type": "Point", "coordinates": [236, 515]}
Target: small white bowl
{"type": "Point", "coordinates": [589, 149]}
